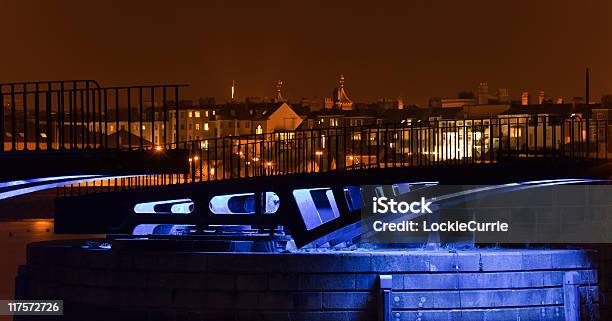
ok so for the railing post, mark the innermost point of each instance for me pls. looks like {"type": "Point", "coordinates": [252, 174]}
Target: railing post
{"type": "Point", "coordinates": [13, 119]}
{"type": "Point", "coordinates": [193, 157]}
{"type": "Point", "coordinates": [153, 119]}
{"type": "Point", "coordinates": [571, 296]}
{"type": "Point", "coordinates": [588, 136]}
{"type": "Point", "coordinates": [37, 117]}
{"type": "Point", "coordinates": [176, 120]}
{"type": "Point", "coordinates": [1, 120]}
{"type": "Point", "coordinates": [140, 120]}
{"type": "Point", "coordinates": [385, 283]}
{"type": "Point", "coordinates": [24, 105]}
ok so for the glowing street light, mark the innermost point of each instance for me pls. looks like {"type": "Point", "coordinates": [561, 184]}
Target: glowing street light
{"type": "Point", "coordinates": [319, 153]}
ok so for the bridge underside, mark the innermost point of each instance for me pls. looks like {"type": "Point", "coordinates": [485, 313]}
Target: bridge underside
{"type": "Point", "coordinates": [114, 212]}
{"type": "Point", "coordinates": [32, 164]}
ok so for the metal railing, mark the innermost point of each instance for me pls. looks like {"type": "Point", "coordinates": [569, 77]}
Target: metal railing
{"type": "Point", "coordinates": [420, 143]}
{"type": "Point", "coordinates": [80, 114]}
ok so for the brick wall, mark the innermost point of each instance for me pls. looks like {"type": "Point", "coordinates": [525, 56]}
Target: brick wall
{"type": "Point", "coordinates": [427, 285]}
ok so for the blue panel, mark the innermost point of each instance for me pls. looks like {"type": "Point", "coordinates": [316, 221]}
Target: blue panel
{"type": "Point", "coordinates": [317, 206]}
{"type": "Point", "coordinates": [353, 197]}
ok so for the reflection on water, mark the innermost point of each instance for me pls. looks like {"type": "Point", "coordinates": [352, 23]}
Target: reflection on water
{"type": "Point", "coordinates": [14, 236]}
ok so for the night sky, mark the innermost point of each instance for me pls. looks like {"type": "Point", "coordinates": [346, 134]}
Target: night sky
{"type": "Point", "coordinates": [410, 49]}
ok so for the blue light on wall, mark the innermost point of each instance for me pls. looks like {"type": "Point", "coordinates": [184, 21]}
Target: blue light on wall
{"type": "Point", "coordinates": [243, 203]}
{"type": "Point", "coordinates": [43, 179]}
{"type": "Point", "coordinates": [178, 206]}
{"type": "Point", "coordinates": [403, 188]}
{"type": "Point", "coordinates": [12, 189]}
{"type": "Point", "coordinates": [160, 229]}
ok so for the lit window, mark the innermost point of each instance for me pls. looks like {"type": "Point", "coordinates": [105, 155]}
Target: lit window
{"type": "Point", "coordinates": [197, 114]}
{"type": "Point", "coordinates": [205, 126]}
{"type": "Point", "coordinates": [190, 114]}
{"type": "Point", "coordinates": [144, 127]}
{"type": "Point", "coordinates": [213, 112]}
{"type": "Point", "coordinates": [515, 132]}
{"type": "Point", "coordinates": [206, 112]}
{"type": "Point", "coordinates": [197, 126]}
{"type": "Point", "coordinates": [259, 130]}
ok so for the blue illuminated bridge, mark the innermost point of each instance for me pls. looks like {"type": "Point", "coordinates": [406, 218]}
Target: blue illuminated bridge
{"type": "Point", "coordinates": [111, 153]}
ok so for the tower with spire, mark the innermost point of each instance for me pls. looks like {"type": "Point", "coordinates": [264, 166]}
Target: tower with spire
{"type": "Point", "coordinates": [341, 99]}
{"type": "Point", "coordinates": [279, 94]}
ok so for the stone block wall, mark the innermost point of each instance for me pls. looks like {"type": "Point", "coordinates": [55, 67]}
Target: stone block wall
{"type": "Point", "coordinates": [427, 285]}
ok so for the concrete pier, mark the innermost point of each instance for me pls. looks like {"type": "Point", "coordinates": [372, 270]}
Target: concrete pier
{"type": "Point", "coordinates": [480, 284]}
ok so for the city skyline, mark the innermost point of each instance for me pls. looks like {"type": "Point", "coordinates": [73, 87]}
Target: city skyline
{"type": "Point", "coordinates": [278, 88]}
{"type": "Point", "coordinates": [413, 50]}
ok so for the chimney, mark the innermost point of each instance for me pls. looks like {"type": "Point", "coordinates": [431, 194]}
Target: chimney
{"type": "Point", "coordinates": [525, 98]}
{"type": "Point", "coordinates": [541, 97]}
{"type": "Point", "coordinates": [586, 94]}
{"type": "Point", "coordinates": [483, 93]}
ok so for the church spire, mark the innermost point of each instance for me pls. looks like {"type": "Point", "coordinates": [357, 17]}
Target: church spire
{"type": "Point", "coordinates": [342, 100]}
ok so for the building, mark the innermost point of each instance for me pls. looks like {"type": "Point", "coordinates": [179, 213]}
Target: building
{"type": "Point", "coordinates": [341, 99]}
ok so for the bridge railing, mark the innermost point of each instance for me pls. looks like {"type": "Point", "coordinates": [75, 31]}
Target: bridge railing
{"type": "Point", "coordinates": [419, 143]}
{"type": "Point", "coordinates": [80, 114]}
{"type": "Point", "coordinates": [425, 143]}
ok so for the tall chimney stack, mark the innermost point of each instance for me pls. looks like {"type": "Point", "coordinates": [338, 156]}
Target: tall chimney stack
{"type": "Point", "coordinates": [586, 96]}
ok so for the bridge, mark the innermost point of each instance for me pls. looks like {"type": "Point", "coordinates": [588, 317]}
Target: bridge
{"type": "Point", "coordinates": [117, 147]}
{"type": "Point", "coordinates": [311, 183]}
{"type": "Point", "coordinates": [154, 196]}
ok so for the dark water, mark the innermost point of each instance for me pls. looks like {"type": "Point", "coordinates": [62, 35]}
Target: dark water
{"type": "Point", "coordinates": [14, 236]}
